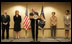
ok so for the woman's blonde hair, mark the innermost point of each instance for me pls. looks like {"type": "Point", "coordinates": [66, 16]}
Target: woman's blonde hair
{"type": "Point", "coordinates": [16, 11]}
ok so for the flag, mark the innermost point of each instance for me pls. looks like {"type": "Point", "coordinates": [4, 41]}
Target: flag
{"type": "Point", "coordinates": [26, 20]}
{"type": "Point", "coordinates": [42, 21]}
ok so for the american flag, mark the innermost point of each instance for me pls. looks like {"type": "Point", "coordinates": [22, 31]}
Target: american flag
{"type": "Point", "coordinates": [26, 20]}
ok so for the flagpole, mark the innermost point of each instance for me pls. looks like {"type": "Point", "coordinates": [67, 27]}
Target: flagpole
{"type": "Point", "coordinates": [43, 33]}
{"type": "Point", "coordinates": [26, 33]}
{"type": "Point", "coordinates": [42, 28]}
{"type": "Point", "coordinates": [26, 29]}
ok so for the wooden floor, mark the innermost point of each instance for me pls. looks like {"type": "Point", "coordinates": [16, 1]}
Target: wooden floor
{"type": "Point", "coordinates": [39, 39]}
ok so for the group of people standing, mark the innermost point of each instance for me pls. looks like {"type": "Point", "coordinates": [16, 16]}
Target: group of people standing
{"type": "Point", "coordinates": [53, 24]}
{"type": "Point", "coordinates": [5, 19]}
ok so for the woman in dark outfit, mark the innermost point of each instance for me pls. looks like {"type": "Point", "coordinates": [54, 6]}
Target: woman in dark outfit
{"type": "Point", "coordinates": [17, 24]}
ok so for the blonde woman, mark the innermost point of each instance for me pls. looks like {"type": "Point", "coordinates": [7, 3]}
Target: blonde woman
{"type": "Point", "coordinates": [17, 24]}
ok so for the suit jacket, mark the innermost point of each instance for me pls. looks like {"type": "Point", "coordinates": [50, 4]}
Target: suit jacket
{"type": "Point", "coordinates": [17, 21]}
{"type": "Point", "coordinates": [32, 20]}
{"type": "Point", "coordinates": [5, 19]}
{"type": "Point", "coordinates": [66, 21]}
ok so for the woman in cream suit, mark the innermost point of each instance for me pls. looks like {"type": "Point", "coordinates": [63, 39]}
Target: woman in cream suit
{"type": "Point", "coordinates": [67, 20]}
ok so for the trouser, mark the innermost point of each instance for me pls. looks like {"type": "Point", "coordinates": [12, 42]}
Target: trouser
{"type": "Point", "coordinates": [33, 31]}
{"type": "Point", "coordinates": [53, 31]}
{"type": "Point", "coordinates": [7, 31]}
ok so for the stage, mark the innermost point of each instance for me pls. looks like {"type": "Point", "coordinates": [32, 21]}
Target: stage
{"type": "Point", "coordinates": [39, 39]}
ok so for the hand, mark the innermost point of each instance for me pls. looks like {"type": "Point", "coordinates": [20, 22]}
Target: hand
{"type": "Point", "coordinates": [31, 17]}
{"type": "Point", "coordinates": [68, 24]}
{"type": "Point", "coordinates": [5, 23]}
{"type": "Point", "coordinates": [54, 24]}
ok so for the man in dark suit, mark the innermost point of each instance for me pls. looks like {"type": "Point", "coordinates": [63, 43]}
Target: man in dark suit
{"type": "Point", "coordinates": [32, 14]}
{"type": "Point", "coordinates": [5, 19]}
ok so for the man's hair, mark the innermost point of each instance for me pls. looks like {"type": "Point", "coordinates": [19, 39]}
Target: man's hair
{"type": "Point", "coordinates": [54, 12]}
{"type": "Point", "coordinates": [68, 11]}
{"type": "Point", "coordinates": [16, 11]}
